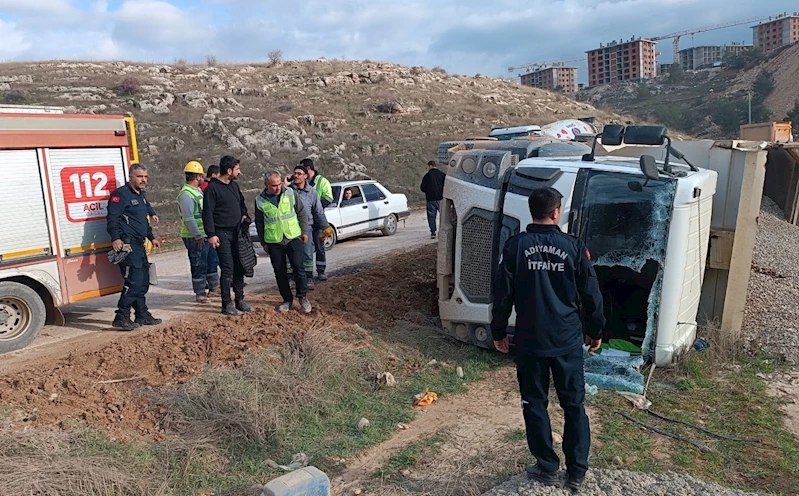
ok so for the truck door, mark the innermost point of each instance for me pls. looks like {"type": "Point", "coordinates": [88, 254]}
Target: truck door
{"type": "Point", "coordinates": [24, 230]}
{"type": "Point", "coordinates": [82, 181]}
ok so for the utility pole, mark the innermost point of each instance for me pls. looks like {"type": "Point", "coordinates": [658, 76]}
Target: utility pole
{"type": "Point", "coordinates": [750, 105]}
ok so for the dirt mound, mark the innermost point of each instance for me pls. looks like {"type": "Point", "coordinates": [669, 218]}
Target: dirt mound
{"type": "Point", "coordinates": [102, 388]}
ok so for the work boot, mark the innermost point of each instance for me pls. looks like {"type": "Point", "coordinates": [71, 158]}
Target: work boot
{"type": "Point", "coordinates": [215, 292]}
{"type": "Point", "coordinates": [535, 473]}
{"type": "Point", "coordinates": [284, 307]}
{"type": "Point", "coordinates": [200, 298]}
{"type": "Point", "coordinates": [573, 484]}
{"type": "Point", "coordinates": [148, 320]}
{"type": "Point", "coordinates": [230, 309]}
{"type": "Point", "coordinates": [305, 305]}
{"type": "Point", "coordinates": [432, 235]}
{"type": "Point", "coordinates": [311, 286]}
{"type": "Point", "coordinates": [243, 306]}
{"type": "Point", "coordinates": [124, 324]}
{"type": "Point", "coordinates": [321, 276]}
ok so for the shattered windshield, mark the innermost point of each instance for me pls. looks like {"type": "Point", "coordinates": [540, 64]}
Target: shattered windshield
{"type": "Point", "coordinates": [624, 222]}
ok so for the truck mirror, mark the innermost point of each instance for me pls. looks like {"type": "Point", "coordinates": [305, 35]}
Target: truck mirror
{"type": "Point", "coordinates": [649, 167]}
{"type": "Point", "coordinates": [612, 134]}
{"type": "Point", "coordinates": [635, 186]}
{"type": "Point", "coordinates": [645, 135]}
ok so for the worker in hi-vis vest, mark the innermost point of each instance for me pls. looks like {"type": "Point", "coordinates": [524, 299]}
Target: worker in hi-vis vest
{"type": "Point", "coordinates": [281, 222]}
{"type": "Point", "coordinates": [202, 258]}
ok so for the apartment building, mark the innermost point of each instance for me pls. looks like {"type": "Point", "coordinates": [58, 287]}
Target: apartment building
{"type": "Point", "coordinates": [702, 57]}
{"type": "Point", "coordinates": [555, 77]}
{"type": "Point", "coordinates": [621, 61]}
{"type": "Point", "coordinates": [779, 32]}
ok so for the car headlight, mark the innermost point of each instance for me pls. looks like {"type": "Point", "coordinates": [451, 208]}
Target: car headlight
{"type": "Point", "coordinates": [489, 169]}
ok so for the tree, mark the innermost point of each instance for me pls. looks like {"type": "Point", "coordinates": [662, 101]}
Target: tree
{"type": "Point", "coordinates": [676, 74]}
{"type": "Point", "coordinates": [275, 57]}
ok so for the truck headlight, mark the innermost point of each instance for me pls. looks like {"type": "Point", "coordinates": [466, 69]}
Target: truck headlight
{"type": "Point", "coordinates": [489, 169]}
{"type": "Point", "coordinates": [468, 165]}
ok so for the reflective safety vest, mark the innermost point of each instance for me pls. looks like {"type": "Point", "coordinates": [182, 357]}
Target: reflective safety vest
{"type": "Point", "coordinates": [280, 221]}
{"type": "Point", "coordinates": [197, 196]}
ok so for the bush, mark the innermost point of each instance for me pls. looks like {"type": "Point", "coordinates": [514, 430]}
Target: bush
{"type": "Point", "coordinates": [129, 86]}
{"type": "Point", "coordinates": [211, 60]}
{"type": "Point", "coordinates": [181, 64]}
{"type": "Point", "coordinates": [439, 69]}
{"type": "Point", "coordinates": [16, 96]}
{"type": "Point", "coordinates": [275, 57]}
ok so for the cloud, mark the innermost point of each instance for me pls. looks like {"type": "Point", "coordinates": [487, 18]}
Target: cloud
{"type": "Point", "coordinates": [14, 41]}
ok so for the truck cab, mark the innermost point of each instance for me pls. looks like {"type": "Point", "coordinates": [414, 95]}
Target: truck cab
{"type": "Point", "coordinates": [645, 223]}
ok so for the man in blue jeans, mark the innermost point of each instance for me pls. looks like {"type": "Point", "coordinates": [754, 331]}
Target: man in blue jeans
{"type": "Point", "coordinates": [433, 189]}
{"type": "Point", "coordinates": [547, 275]}
{"type": "Point", "coordinates": [202, 258]}
{"type": "Point", "coordinates": [316, 219]}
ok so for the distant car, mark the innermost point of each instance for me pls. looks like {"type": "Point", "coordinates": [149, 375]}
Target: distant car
{"type": "Point", "coordinates": [371, 208]}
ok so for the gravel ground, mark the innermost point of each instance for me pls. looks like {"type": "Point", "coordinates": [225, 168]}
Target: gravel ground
{"type": "Point", "coordinates": [771, 318]}
{"type": "Point", "coordinates": [619, 483]}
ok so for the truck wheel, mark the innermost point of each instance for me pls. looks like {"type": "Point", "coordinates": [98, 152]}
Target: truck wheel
{"type": "Point", "coordinates": [481, 336]}
{"type": "Point", "coordinates": [328, 243]}
{"type": "Point", "coordinates": [390, 225]}
{"type": "Point", "coordinates": [22, 315]}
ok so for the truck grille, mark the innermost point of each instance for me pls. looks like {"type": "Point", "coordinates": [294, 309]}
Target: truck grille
{"type": "Point", "coordinates": [477, 257]}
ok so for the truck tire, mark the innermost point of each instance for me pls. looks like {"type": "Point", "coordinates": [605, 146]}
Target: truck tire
{"type": "Point", "coordinates": [390, 225]}
{"type": "Point", "coordinates": [22, 315]}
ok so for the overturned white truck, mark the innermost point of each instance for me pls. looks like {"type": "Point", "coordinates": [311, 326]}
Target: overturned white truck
{"type": "Point", "coordinates": [645, 221]}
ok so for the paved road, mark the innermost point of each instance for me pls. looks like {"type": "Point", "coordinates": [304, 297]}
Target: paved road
{"type": "Point", "coordinates": [89, 322]}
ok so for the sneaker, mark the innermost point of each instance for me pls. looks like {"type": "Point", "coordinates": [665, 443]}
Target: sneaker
{"type": "Point", "coordinates": [124, 324]}
{"type": "Point", "coordinates": [311, 286]}
{"type": "Point", "coordinates": [243, 306]}
{"type": "Point", "coordinates": [148, 320]}
{"type": "Point", "coordinates": [230, 309]}
{"type": "Point", "coordinates": [322, 276]}
{"type": "Point", "coordinates": [535, 473]}
{"type": "Point", "coordinates": [305, 305]}
{"type": "Point", "coordinates": [573, 484]}
{"type": "Point", "coordinates": [432, 235]}
{"type": "Point", "coordinates": [284, 307]}
{"type": "Point", "coordinates": [200, 298]}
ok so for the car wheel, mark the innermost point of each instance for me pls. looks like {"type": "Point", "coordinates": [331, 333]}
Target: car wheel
{"type": "Point", "coordinates": [22, 315]}
{"type": "Point", "coordinates": [390, 225]}
{"type": "Point", "coordinates": [331, 241]}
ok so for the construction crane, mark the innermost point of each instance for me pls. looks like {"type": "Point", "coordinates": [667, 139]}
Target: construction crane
{"type": "Point", "coordinates": [676, 36]}
{"type": "Point", "coordinates": [530, 66]}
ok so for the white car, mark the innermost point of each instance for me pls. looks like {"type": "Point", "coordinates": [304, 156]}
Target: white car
{"type": "Point", "coordinates": [370, 208]}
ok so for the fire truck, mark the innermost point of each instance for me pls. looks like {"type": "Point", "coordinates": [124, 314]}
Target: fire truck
{"type": "Point", "coordinates": [57, 172]}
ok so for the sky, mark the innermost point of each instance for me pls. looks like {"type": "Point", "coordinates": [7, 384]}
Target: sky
{"type": "Point", "coordinates": [462, 36]}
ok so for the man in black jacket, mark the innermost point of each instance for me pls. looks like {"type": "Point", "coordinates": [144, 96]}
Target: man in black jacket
{"type": "Point", "coordinates": [547, 275]}
{"type": "Point", "coordinates": [224, 210]}
{"type": "Point", "coordinates": [433, 188]}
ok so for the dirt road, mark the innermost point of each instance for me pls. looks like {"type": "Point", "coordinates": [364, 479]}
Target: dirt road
{"type": "Point", "coordinates": [88, 324]}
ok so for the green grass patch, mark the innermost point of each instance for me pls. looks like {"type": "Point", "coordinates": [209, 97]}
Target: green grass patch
{"type": "Point", "coordinates": [732, 402]}
{"type": "Point", "coordinates": [410, 455]}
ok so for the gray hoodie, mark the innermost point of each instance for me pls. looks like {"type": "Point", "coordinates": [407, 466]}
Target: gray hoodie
{"type": "Point", "coordinates": [314, 211]}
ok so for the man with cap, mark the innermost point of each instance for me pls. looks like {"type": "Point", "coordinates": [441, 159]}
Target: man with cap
{"type": "Point", "coordinates": [282, 224]}
{"type": "Point", "coordinates": [315, 213]}
{"type": "Point", "coordinates": [202, 258]}
{"type": "Point", "coordinates": [129, 228]}
{"type": "Point", "coordinates": [224, 211]}
{"type": "Point", "coordinates": [322, 186]}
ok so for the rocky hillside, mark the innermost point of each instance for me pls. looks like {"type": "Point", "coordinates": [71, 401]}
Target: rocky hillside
{"type": "Point", "coordinates": [709, 103]}
{"type": "Point", "coordinates": [356, 118]}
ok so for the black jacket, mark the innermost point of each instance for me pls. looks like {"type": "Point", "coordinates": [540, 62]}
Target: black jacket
{"type": "Point", "coordinates": [433, 185]}
{"type": "Point", "coordinates": [127, 216]}
{"type": "Point", "coordinates": [547, 275]}
{"type": "Point", "coordinates": [223, 207]}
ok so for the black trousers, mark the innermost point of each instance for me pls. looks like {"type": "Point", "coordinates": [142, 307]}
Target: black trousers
{"type": "Point", "coordinates": [567, 371]}
{"type": "Point", "coordinates": [319, 245]}
{"type": "Point", "coordinates": [432, 211]}
{"type": "Point", "coordinates": [136, 273]}
{"type": "Point", "coordinates": [277, 255]}
{"type": "Point", "coordinates": [229, 262]}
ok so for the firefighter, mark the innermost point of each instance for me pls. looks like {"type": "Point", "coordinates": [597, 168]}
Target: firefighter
{"type": "Point", "coordinates": [547, 275]}
{"type": "Point", "coordinates": [322, 186]}
{"type": "Point", "coordinates": [282, 224]}
{"type": "Point", "coordinates": [202, 258]}
{"type": "Point", "coordinates": [130, 230]}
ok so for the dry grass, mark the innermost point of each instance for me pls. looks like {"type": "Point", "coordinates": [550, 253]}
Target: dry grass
{"type": "Point", "coordinates": [724, 349]}
{"type": "Point", "coordinates": [258, 400]}
{"type": "Point", "coordinates": [38, 463]}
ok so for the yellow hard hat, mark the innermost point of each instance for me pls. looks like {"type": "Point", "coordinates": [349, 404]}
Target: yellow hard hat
{"type": "Point", "coordinates": [195, 167]}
